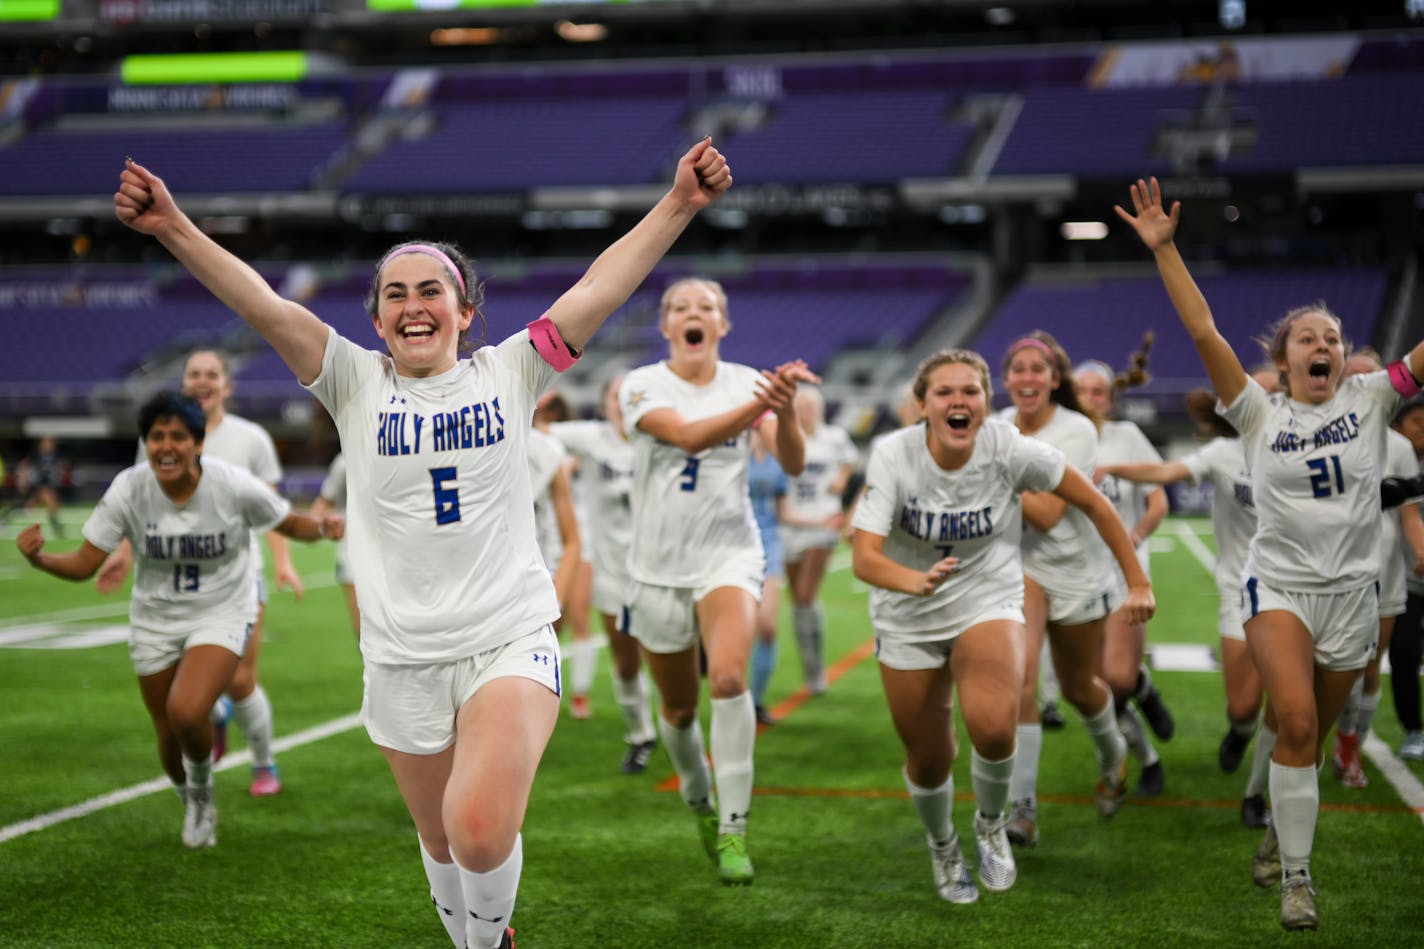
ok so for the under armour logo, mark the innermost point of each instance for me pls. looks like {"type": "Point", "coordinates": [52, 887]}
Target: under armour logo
{"type": "Point", "coordinates": [486, 919]}
{"type": "Point", "coordinates": [736, 818]}
{"type": "Point", "coordinates": [446, 910]}
{"type": "Point", "coordinates": [397, 398]}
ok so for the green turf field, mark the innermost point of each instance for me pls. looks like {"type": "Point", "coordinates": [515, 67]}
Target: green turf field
{"type": "Point", "coordinates": [615, 860]}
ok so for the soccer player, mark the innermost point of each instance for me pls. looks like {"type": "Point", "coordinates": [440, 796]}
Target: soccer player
{"type": "Point", "coordinates": [767, 485]}
{"type": "Point", "coordinates": [556, 530]}
{"type": "Point", "coordinates": [811, 527]}
{"type": "Point", "coordinates": [194, 604]}
{"type": "Point", "coordinates": [937, 538]}
{"type": "Point", "coordinates": [207, 377]}
{"type": "Point", "coordinates": [332, 497]}
{"type": "Point", "coordinates": [1407, 643]}
{"type": "Point", "coordinates": [1141, 509]}
{"type": "Point", "coordinates": [1222, 462]}
{"type": "Point", "coordinates": [696, 563]}
{"type": "Point", "coordinates": [1068, 583]}
{"type": "Point", "coordinates": [605, 460]}
{"type": "Point", "coordinates": [461, 662]}
{"type": "Point", "coordinates": [1316, 453]}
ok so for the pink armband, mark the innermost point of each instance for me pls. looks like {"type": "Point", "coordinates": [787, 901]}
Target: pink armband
{"type": "Point", "coordinates": [1403, 380]}
{"type": "Point", "coordinates": [549, 344]}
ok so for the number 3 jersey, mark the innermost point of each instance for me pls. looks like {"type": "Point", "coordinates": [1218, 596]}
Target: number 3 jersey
{"type": "Point", "coordinates": [689, 511]}
{"type": "Point", "coordinates": [1315, 472]}
{"type": "Point", "coordinates": [191, 560]}
{"type": "Point", "coordinates": [926, 514]}
{"type": "Point", "coordinates": [440, 511]}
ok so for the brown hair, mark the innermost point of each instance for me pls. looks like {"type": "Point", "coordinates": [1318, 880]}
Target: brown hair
{"type": "Point", "coordinates": [1201, 406]}
{"type": "Point", "coordinates": [1064, 394]}
{"type": "Point", "coordinates": [943, 357]}
{"type": "Point", "coordinates": [1275, 342]}
{"type": "Point", "coordinates": [471, 295]}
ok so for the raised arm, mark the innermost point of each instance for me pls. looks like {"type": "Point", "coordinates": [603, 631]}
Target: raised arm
{"type": "Point", "coordinates": [1158, 228]}
{"type": "Point", "coordinates": [144, 204]}
{"type": "Point", "coordinates": [702, 174]}
{"type": "Point", "coordinates": [80, 564]}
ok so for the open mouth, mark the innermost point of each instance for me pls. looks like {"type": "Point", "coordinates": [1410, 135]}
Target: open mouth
{"type": "Point", "coordinates": [694, 336]}
{"type": "Point", "coordinates": [958, 421]}
{"type": "Point", "coordinates": [417, 331]}
{"type": "Point", "coordinates": [1320, 369]}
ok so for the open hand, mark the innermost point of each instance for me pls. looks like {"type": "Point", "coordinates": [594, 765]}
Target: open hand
{"type": "Point", "coordinates": [1152, 223]}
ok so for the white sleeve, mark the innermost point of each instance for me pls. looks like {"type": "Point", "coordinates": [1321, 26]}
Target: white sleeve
{"type": "Point", "coordinates": [1248, 412]}
{"type": "Point", "coordinates": [266, 466]}
{"type": "Point", "coordinates": [638, 396]}
{"type": "Point", "coordinates": [344, 370]}
{"type": "Point", "coordinates": [1034, 465]}
{"type": "Point", "coordinates": [1080, 447]}
{"type": "Point", "coordinates": [107, 526]}
{"type": "Point", "coordinates": [262, 508]}
{"type": "Point", "coordinates": [875, 514]}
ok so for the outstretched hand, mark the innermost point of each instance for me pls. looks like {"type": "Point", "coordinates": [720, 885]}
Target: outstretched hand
{"type": "Point", "coordinates": [1152, 223]}
{"type": "Point", "coordinates": [778, 387]}
{"type": "Point", "coordinates": [142, 201]}
{"type": "Point", "coordinates": [702, 175]}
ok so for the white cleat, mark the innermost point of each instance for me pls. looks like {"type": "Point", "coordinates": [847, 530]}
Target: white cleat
{"type": "Point", "coordinates": [951, 873]}
{"type": "Point", "coordinates": [200, 819]}
{"type": "Point", "coordinates": [997, 869]}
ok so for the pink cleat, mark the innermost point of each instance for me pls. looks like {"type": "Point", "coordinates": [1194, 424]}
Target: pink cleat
{"type": "Point", "coordinates": [265, 782]}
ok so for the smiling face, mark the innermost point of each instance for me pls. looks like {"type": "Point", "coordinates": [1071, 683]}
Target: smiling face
{"type": "Point", "coordinates": [954, 399]}
{"type": "Point", "coordinates": [1095, 394]}
{"type": "Point", "coordinates": [205, 378]}
{"type": "Point", "coordinates": [1313, 356]}
{"type": "Point", "coordinates": [694, 320]}
{"type": "Point", "coordinates": [418, 314]}
{"type": "Point", "coordinates": [172, 451]}
{"type": "Point", "coordinates": [1031, 377]}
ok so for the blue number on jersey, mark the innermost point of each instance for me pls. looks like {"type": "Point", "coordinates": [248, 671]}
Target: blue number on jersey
{"type": "Point", "coordinates": [447, 500]}
{"type": "Point", "coordinates": [185, 578]}
{"type": "Point", "coordinates": [689, 474]}
{"type": "Point", "coordinates": [1320, 480]}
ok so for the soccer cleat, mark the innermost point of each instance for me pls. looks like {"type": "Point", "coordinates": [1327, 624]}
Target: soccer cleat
{"type": "Point", "coordinates": [1052, 717]}
{"type": "Point", "coordinates": [1298, 903]}
{"type": "Point", "coordinates": [764, 717]}
{"type": "Point", "coordinates": [1354, 776]}
{"type": "Point", "coordinates": [733, 864]}
{"type": "Point", "coordinates": [200, 819]}
{"type": "Point", "coordinates": [1266, 865]}
{"type": "Point", "coordinates": [579, 708]}
{"type": "Point", "coordinates": [951, 873]}
{"type": "Point", "coordinates": [1253, 811]}
{"type": "Point", "coordinates": [507, 942]}
{"type": "Point", "coordinates": [636, 758]}
{"type": "Point", "coordinates": [1159, 717]}
{"type": "Point", "coordinates": [997, 870]}
{"type": "Point", "coordinates": [1111, 789]}
{"type": "Point", "coordinates": [817, 684]}
{"type": "Point", "coordinates": [1152, 780]}
{"type": "Point", "coordinates": [1022, 826]}
{"type": "Point", "coordinates": [1413, 747]}
{"type": "Point", "coordinates": [1340, 756]}
{"type": "Point", "coordinates": [708, 825]}
{"type": "Point", "coordinates": [1232, 750]}
{"type": "Point", "coordinates": [265, 782]}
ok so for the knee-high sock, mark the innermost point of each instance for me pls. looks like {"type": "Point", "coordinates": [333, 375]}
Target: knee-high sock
{"type": "Point", "coordinates": [991, 783]}
{"type": "Point", "coordinates": [689, 759]}
{"type": "Point", "coordinates": [1295, 805]}
{"type": "Point", "coordinates": [1365, 716]}
{"type": "Point", "coordinates": [489, 898]}
{"type": "Point", "coordinates": [733, 738]}
{"type": "Point", "coordinates": [1023, 783]}
{"type": "Point", "coordinates": [810, 635]}
{"type": "Point", "coordinates": [446, 894]}
{"type": "Point", "coordinates": [934, 805]}
{"type": "Point", "coordinates": [1130, 724]}
{"type": "Point", "coordinates": [199, 774]}
{"type": "Point", "coordinates": [1257, 781]}
{"type": "Point", "coordinates": [763, 665]}
{"type": "Point", "coordinates": [254, 716]}
{"type": "Point", "coordinates": [1107, 739]}
{"type": "Point", "coordinates": [1346, 723]}
{"type": "Point", "coordinates": [632, 697]}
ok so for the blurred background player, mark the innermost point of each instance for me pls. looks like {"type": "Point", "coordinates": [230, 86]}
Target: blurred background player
{"type": "Point", "coordinates": [332, 498]}
{"type": "Point", "coordinates": [767, 486]}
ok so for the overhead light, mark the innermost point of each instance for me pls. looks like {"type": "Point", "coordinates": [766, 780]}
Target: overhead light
{"type": "Point", "coordinates": [999, 16]}
{"type": "Point", "coordinates": [466, 36]}
{"type": "Point", "coordinates": [1083, 230]}
{"type": "Point", "coordinates": [581, 32]}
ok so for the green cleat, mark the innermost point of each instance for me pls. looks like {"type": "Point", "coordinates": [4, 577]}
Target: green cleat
{"type": "Point", "coordinates": [708, 824]}
{"type": "Point", "coordinates": [733, 864]}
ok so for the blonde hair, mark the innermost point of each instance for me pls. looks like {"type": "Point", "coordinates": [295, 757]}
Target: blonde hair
{"type": "Point", "coordinates": [966, 357]}
{"type": "Point", "coordinates": [716, 288]}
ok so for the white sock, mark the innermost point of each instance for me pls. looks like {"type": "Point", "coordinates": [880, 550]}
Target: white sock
{"type": "Point", "coordinates": [489, 898]}
{"type": "Point", "coordinates": [1130, 724]}
{"type": "Point", "coordinates": [1345, 724]}
{"type": "Point", "coordinates": [1107, 739]}
{"type": "Point", "coordinates": [1365, 717]}
{"type": "Point", "coordinates": [632, 697]}
{"type": "Point", "coordinates": [1023, 783]}
{"type": "Point", "coordinates": [446, 894]}
{"type": "Point", "coordinates": [733, 738]}
{"type": "Point", "coordinates": [582, 662]}
{"type": "Point", "coordinates": [1261, 761]}
{"type": "Point", "coordinates": [991, 783]}
{"type": "Point", "coordinates": [1295, 805]}
{"type": "Point", "coordinates": [254, 716]}
{"type": "Point", "coordinates": [933, 805]}
{"type": "Point", "coordinates": [689, 759]}
{"type": "Point", "coordinates": [199, 773]}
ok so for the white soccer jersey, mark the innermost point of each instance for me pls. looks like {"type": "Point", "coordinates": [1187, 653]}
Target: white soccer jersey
{"type": "Point", "coordinates": [546, 454]}
{"type": "Point", "coordinates": [1122, 442]}
{"type": "Point", "coordinates": [333, 488]}
{"type": "Point", "coordinates": [1071, 553]}
{"type": "Point", "coordinates": [1414, 584]}
{"type": "Point", "coordinates": [689, 511]}
{"type": "Point", "coordinates": [441, 519]}
{"type": "Point", "coordinates": [192, 561]}
{"type": "Point", "coordinates": [1222, 461]}
{"type": "Point", "coordinates": [827, 451]}
{"type": "Point", "coordinates": [1399, 463]}
{"type": "Point", "coordinates": [247, 445]}
{"type": "Point", "coordinates": [606, 469]}
{"type": "Point", "coordinates": [926, 514]}
{"type": "Point", "coordinates": [1315, 471]}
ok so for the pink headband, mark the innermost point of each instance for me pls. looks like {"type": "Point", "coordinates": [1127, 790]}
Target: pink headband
{"type": "Point", "coordinates": [428, 251]}
{"type": "Point", "coordinates": [1037, 344]}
